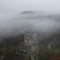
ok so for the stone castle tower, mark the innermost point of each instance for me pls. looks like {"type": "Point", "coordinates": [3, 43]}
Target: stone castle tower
{"type": "Point", "coordinates": [31, 40]}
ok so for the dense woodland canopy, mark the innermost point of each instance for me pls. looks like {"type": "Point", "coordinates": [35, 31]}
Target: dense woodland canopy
{"type": "Point", "coordinates": [10, 47]}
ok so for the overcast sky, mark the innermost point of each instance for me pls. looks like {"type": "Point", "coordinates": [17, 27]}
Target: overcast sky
{"type": "Point", "coordinates": [36, 5]}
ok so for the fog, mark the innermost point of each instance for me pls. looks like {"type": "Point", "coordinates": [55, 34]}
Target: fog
{"type": "Point", "coordinates": [12, 24]}
{"type": "Point", "coordinates": [14, 6]}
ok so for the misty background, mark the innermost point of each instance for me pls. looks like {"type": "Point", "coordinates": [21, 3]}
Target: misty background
{"type": "Point", "coordinates": [46, 17]}
{"type": "Point", "coordinates": [35, 5]}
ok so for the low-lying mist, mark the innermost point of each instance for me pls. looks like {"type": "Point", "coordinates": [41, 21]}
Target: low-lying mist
{"type": "Point", "coordinates": [11, 25]}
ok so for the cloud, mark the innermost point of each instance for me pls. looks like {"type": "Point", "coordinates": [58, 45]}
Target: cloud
{"type": "Point", "coordinates": [15, 25]}
{"type": "Point", "coordinates": [19, 5]}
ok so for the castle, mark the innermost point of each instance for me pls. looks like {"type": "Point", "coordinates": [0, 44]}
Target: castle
{"type": "Point", "coordinates": [31, 40]}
